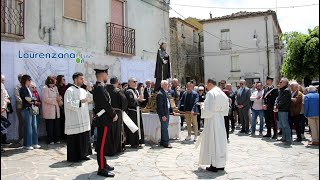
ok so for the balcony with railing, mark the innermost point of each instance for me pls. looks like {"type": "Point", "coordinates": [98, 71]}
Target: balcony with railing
{"type": "Point", "coordinates": [225, 45]}
{"type": "Point", "coordinates": [120, 39]}
{"type": "Point", "coordinates": [12, 18]}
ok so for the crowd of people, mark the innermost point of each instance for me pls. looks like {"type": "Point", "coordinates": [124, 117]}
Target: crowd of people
{"type": "Point", "coordinates": [83, 113]}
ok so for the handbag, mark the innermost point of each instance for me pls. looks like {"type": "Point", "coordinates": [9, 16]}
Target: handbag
{"type": "Point", "coordinates": [34, 110]}
{"type": "Point", "coordinates": [9, 108]}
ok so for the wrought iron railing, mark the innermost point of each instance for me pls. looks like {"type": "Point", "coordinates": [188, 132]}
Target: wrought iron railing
{"type": "Point", "coordinates": [225, 44]}
{"type": "Point", "coordinates": [12, 17]}
{"type": "Point", "coordinates": [120, 39]}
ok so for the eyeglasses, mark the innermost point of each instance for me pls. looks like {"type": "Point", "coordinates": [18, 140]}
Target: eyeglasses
{"type": "Point", "coordinates": [200, 90]}
{"type": "Point", "coordinates": [135, 81]}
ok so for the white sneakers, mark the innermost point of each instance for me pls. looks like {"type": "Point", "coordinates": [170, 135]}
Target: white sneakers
{"type": "Point", "coordinates": [52, 143]}
{"type": "Point", "coordinates": [36, 146]}
{"type": "Point", "coordinates": [32, 147]}
{"type": "Point", "coordinates": [188, 138]}
{"type": "Point", "coordinates": [58, 142]}
{"type": "Point", "coordinates": [28, 148]}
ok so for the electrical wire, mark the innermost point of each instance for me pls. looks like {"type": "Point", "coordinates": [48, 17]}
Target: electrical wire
{"type": "Point", "coordinates": [217, 7]}
{"type": "Point", "coordinates": [209, 32]}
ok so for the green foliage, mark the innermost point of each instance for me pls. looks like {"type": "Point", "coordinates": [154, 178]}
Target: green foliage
{"type": "Point", "coordinates": [302, 54]}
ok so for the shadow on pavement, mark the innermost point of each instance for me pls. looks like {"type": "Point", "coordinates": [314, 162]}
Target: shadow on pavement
{"type": "Point", "coordinates": [280, 144]}
{"type": "Point", "coordinates": [13, 151]}
{"type": "Point", "coordinates": [204, 174]}
{"type": "Point", "coordinates": [312, 147]}
{"type": "Point", "coordinates": [92, 175]}
{"type": "Point", "coordinates": [63, 164]}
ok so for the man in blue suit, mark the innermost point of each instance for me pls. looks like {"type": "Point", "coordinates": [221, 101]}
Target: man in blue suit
{"type": "Point", "coordinates": [163, 110]}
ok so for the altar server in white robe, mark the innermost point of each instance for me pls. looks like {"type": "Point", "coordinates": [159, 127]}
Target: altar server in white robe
{"type": "Point", "coordinates": [213, 148]}
{"type": "Point", "coordinates": [77, 123]}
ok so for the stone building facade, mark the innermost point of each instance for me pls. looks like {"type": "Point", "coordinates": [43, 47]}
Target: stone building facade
{"type": "Point", "coordinates": [185, 51]}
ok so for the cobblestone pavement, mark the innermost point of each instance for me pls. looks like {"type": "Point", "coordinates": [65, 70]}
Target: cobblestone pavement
{"type": "Point", "coordinates": [248, 158]}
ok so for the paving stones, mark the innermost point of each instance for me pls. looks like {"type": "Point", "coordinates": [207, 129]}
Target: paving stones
{"type": "Point", "coordinates": [247, 158]}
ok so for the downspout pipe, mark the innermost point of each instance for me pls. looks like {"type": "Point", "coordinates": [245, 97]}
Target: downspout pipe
{"type": "Point", "coordinates": [267, 36]}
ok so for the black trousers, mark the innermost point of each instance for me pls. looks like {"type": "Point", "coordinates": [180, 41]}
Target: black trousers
{"type": "Point", "coordinates": [53, 130]}
{"type": "Point", "coordinates": [62, 124]}
{"type": "Point", "coordinates": [182, 120]}
{"type": "Point", "coordinates": [244, 119]}
{"type": "Point", "coordinates": [226, 124]}
{"type": "Point", "coordinates": [269, 119]}
{"type": "Point", "coordinates": [296, 122]}
{"type": "Point", "coordinates": [101, 146]}
{"type": "Point", "coordinates": [199, 121]}
{"type": "Point", "coordinates": [233, 126]}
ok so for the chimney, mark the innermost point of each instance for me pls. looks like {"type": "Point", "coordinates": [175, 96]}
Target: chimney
{"type": "Point", "coordinates": [210, 15]}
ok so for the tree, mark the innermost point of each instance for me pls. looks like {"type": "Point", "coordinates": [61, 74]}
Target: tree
{"type": "Point", "coordinates": [302, 60]}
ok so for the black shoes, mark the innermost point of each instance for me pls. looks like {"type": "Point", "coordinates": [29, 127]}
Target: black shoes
{"type": "Point", "coordinates": [274, 137]}
{"type": "Point", "coordinates": [85, 159]}
{"type": "Point", "coordinates": [109, 168]}
{"type": "Point", "coordinates": [267, 135]}
{"type": "Point", "coordinates": [283, 140]}
{"type": "Point", "coordinates": [214, 169]}
{"type": "Point", "coordinates": [105, 173]}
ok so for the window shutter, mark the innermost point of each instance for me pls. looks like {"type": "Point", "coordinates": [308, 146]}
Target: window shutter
{"type": "Point", "coordinates": [73, 9]}
{"type": "Point", "coordinates": [117, 12]}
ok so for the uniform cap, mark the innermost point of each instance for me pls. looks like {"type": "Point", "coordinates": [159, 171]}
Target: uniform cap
{"type": "Point", "coordinates": [102, 69]}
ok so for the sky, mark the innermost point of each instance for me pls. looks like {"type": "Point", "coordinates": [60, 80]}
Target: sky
{"type": "Point", "coordinates": [290, 19]}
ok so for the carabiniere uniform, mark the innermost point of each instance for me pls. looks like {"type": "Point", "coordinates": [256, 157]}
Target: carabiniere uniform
{"type": "Point", "coordinates": [102, 100]}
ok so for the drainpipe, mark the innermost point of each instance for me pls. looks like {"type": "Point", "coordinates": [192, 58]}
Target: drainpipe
{"type": "Point", "coordinates": [50, 36]}
{"type": "Point", "coordinates": [268, 60]}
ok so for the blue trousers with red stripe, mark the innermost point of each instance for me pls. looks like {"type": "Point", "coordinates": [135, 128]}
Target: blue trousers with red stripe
{"type": "Point", "coordinates": [100, 147]}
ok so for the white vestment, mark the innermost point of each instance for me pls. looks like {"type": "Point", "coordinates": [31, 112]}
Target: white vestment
{"type": "Point", "coordinates": [213, 148]}
{"type": "Point", "coordinates": [77, 117]}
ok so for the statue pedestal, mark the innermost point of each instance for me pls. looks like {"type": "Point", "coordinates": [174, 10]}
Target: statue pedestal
{"type": "Point", "coordinates": [152, 104]}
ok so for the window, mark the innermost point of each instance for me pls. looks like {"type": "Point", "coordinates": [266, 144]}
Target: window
{"type": "Point", "coordinates": [75, 9]}
{"type": "Point", "coordinates": [182, 31]}
{"type": "Point", "coordinates": [235, 64]}
{"type": "Point", "coordinates": [12, 18]}
{"type": "Point", "coordinates": [117, 12]}
{"type": "Point", "coordinates": [195, 36]}
{"type": "Point", "coordinates": [225, 42]}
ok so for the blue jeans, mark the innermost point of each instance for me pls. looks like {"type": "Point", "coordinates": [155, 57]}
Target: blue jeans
{"type": "Point", "coordinates": [164, 131]}
{"type": "Point", "coordinates": [30, 128]}
{"type": "Point", "coordinates": [255, 114]}
{"type": "Point", "coordinates": [284, 122]}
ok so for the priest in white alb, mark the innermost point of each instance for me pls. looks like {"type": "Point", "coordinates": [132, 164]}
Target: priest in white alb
{"type": "Point", "coordinates": [213, 147]}
{"type": "Point", "coordinates": [77, 123]}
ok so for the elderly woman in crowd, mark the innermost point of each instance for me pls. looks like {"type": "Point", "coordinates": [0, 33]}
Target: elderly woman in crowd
{"type": "Point", "coordinates": [311, 111]}
{"type": "Point", "coordinates": [30, 140]}
{"type": "Point", "coordinates": [50, 110]}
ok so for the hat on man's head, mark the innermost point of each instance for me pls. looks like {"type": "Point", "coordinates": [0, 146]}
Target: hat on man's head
{"type": "Point", "coordinates": [102, 69]}
{"type": "Point", "coordinates": [269, 78]}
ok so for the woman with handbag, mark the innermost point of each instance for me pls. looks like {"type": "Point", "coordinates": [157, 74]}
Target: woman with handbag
{"type": "Point", "coordinates": [30, 140]}
{"type": "Point", "coordinates": [38, 101]}
{"type": "Point", "coordinates": [51, 100]}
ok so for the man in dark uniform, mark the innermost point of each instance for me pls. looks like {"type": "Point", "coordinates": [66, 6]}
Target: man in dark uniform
{"type": "Point", "coordinates": [269, 98]}
{"type": "Point", "coordinates": [115, 137]}
{"type": "Point", "coordinates": [102, 102]}
{"type": "Point", "coordinates": [134, 99]}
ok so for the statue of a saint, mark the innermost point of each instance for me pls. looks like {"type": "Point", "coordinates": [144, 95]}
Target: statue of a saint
{"type": "Point", "coordinates": [162, 71]}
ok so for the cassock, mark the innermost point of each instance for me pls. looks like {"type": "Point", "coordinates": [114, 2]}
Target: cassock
{"type": "Point", "coordinates": [134, 139]}
{"type": "Point", "coordinates": [77, 123]}
{"type": "Point", "coordinates": [162, 70]}
{"type": "Point", "coordinates": [213, 148]}
{"type": "Point", "coordinates": [115, 137]}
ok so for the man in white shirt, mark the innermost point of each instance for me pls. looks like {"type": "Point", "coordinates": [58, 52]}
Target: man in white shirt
{"type": "Point", "coordinates": [257, 97]}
